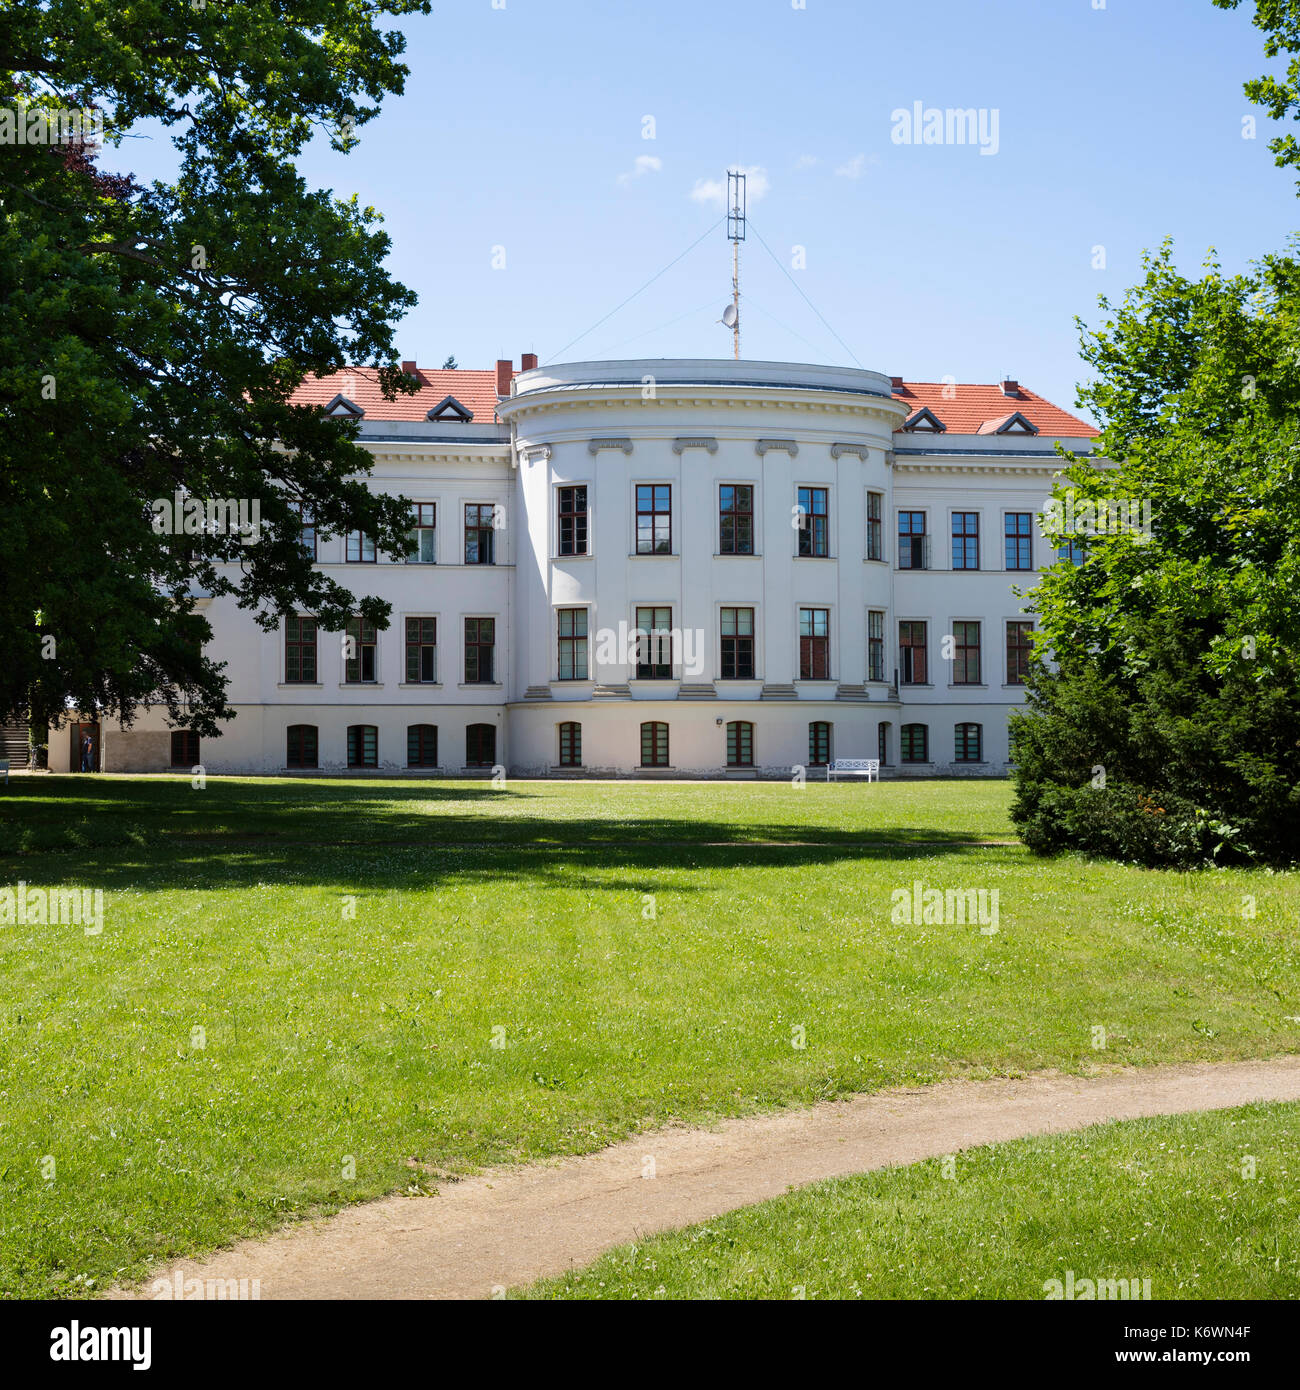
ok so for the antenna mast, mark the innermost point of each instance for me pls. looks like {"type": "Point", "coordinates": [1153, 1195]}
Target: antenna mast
{"type": "Point", "coordinates": [735, 234]}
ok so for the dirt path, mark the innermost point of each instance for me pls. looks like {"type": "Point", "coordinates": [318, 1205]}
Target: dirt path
{"type": "Point", "coordinates": [510, 1226]}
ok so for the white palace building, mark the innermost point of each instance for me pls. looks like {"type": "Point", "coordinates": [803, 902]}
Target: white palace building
{"type": "Point", "coordinates": [665, 568]}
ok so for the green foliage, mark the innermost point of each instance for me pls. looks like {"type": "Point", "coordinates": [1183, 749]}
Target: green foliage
{"type": "Point", "coordinates": [1279, 20]}
{"type": "Point", "coordinates": [150, 337]}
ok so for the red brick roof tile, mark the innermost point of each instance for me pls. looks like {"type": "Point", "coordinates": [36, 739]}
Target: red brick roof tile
{"type": "Point", "coordinates": [967, 408]}
{"type": "Point", "coordinates": [475, 390]}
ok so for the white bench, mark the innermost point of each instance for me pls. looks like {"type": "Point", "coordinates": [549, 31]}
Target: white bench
{"type": "Point", "coordinates": [854, 767]}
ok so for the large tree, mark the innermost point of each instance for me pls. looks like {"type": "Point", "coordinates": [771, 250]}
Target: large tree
{"type": "Point", "coordinates": [151, 335]}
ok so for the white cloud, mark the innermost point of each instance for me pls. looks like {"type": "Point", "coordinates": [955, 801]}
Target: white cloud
{"type": "Point", "coordinates": [857, 166]}
{"type": "Point", "coordinates": [714, 191]}
{"type": "Point", "coordinates": [806, 161]}
{"type": "Point", "coordinates": [645, 164]}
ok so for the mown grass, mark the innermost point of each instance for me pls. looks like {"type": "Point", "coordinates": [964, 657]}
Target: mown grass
{"type": "Point", "coordinates": [1203, 1206]}
{"type": "Point", "coordinates": [416, 979]}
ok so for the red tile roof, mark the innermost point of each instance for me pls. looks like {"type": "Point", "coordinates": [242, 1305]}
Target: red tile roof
{"type": "Point", "coordinates": [475, 390]}
{"type": "Point", "coordinates": [966, 409]}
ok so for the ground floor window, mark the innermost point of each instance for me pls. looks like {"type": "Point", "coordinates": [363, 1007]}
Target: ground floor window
{"type": "Point", "coordinates": [882, 743]}
{"type": "Point", "coordinates": [915, 743]}
{"type": "Point", "coordinates": [654, 745]}
{"type": "Point", "coordinates": [481, 745]}
{"type": "Point", "coordinates": [740, 744]}
{"type": "Point", "coordinates": [302, 742]}
{"type": "Point", "coordinates": [969, 743]}
{"type": "Point", "coordinates": [422, 745]}
{"type": "Point", "coordinates": [570, 745]}
{"type": "Point", "coordinates": [819, 743]}
{"type": "Point", "coordinates": [185, 748]}
{"type": "Point", "coordinates": [363, 745]}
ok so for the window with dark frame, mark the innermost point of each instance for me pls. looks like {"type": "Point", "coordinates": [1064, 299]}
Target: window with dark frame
{"type": "Point", "coordinates": [360, 549]}
{"type": "Point", "coordinates": [481, 745]}
{"type": "Point", "coordinates": [966, 654]}
{"type": "Point", "coordinates": [875, 645]}
{"type": "Point", "coordinates": [306, 529]}
{"type": "Point", "coordinates": [654, 745]}
{"type": "Point", "coordinates": [740, 743]}
{"type": "Point", "coordinates": [654, 519]}
{"type": "Point", "coordinates": [882, 742]}
{"type": "Point", "coordinates": [819, 743]}
{"type": "Point", "coordinates": [1019, 541]}
{"type": "Point", "coordinates": [185, 748]}
{"type": "Point", "coordinates": [1020, 651]}
{"type": "Point", "coordinates": [814, 521]}
{"type": "Point", "coordinates": [359, 664]}
{"type": "Point", "coordinates": [301, 746]}
{"type": "Point", "coordinates": [299, 650]}
{"type": "Point", "coordinates": [570, 744]}
{"type": "Point", "coordinates": [1072, 551]}
{"type": "Point", "coordinates": [913, 667]}
{"type": "Point", "coordinates": [875, 526]}
{"type": "Point", "coordinates": [736, 519]}
{"type": "Point", "coordinates": [363, 745]}
{"type": "Point", "coordinates": [965, 540]}
{"type": "Point", "coordinates": [480, 649]}
{"type": "Point", "coordinates": [914, 743]}
{"type": "Point", "coordinates": [422, 745]}
{"type": "Point", "coordinates": [737, 626]}
{"type": "Point", "coordinates": [480, 546]}
{"type": "Point", "coordinates": [814, 644]}
{"type": "Point", "coordinates": [573, 644]}
{"type": "Point", "coordinates": [573, 520]}
{"type": "Point", "coordinates": [968, 743]}
{"type": "Point", "coordinates": [654, 644]}
{"type": "Point", "coordinates": [911, 541]}
{"type": "Point", "coordinates": [422, 538]}
{"type": "Point", "coordinates": [421, 651]}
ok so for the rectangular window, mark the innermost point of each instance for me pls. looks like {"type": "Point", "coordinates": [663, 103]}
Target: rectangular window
{"type": "Point", "coordinates": [740, 743]}
{"type": "Point", "coordinates": [1019, 541]}
{"type": "Point", "coordinates": [814, 521]}
{"type": "Point", "coordinates": [654, 644]}
{"type": "Point", "coordinates": [914, 743]}
{"type": "Point", "coordinates": [479, 544]}
{"type": "Point", "coordinates": [573, 644]}
{"type": "Point", "coordinates": [882, 743]}
{"type": "Point", "coordinates": [573, 520]}
{"type": "Point", "coordinates": [875, 646]}
{"type": "Point", "coordinates": [422, 745]}
{"type": "Point", "coordinates": [654, 519]}
{"type": "Point", "coordinates": [481, 745]}
{"type": "Point", "coordinates": [570, 745]}
{"type": "Point", "coordinates": [421, 651]}
{"type": "Point", "coordinates": [735, 519]}
{"type": "Point", "coordinates": [359, 652]}
{"type": "Point", "coordinates": [480, 646]}
{"type": "Point", "coordinates": [299, 651]}
{"type": "Point", "coordinates": [185, 748]}
{"type": "Point", "coordinates": [875, 530]}
{"type": "Point", "coordinates": [912, 548]}
{"type": "Point", "coordinates": [819, 743]}
{"type": "Point", "coordinates": [301, 746]}
{"type": "Point", "coordinates": [654, 745]}
{"type": "Point", "coordinates": [422, 538]}
{"type": "Point", "coordinates": [966, 654]}
{"type": "Point", "coordinates": [307, 530]}
{"type": "Point", "coordinates": [814, 644]}
{"type": "Point", "coordinates": [965, 540]}
{"type": "Point", "coordinates": [969, 743]}
{"type": "Point", "coordinates": [1019, 652]}
{"type": "Point", "coordinates": [911, 654]}
{"type": "Point", "coordinates": [1072, 551]}
{"type": "Point", "coordinates": [360, 548]}
{"type": "Point", "coordinates": [737, 626]}
{"type": "Point", "coordinates": [363, 745]}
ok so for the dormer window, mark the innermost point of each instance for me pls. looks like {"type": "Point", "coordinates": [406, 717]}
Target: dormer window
{"type": "Point", "coordinates": [1009, 424]}
{"type": "Point", "coordinates": [449, 408]}
{"type": "Point", "coordinates": [340, 408]}
{"type": "Point", "coordinates": [924, 421]}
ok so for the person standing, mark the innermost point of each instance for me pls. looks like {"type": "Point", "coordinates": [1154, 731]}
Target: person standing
{"type": "Point", "coordinates": [87, 754]}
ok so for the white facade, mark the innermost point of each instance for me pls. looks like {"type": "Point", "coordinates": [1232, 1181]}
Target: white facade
{"type": "Point", "coordinates": [688, 430]}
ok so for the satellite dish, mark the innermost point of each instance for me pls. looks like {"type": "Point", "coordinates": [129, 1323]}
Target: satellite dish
{"type": "Point", "coordinates": [729, 316]}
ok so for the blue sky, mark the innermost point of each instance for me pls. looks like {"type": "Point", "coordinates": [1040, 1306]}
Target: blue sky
{"type": "Point", "coordinates": [521, 128]}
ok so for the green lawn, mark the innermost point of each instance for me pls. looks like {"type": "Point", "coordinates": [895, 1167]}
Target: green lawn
{"type": "Point", "coordinates": [352, 950]}
{"type": "Point", "coordinates": [1167, 1200]}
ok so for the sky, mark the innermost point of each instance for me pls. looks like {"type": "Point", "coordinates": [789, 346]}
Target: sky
{"type": "Point", "coordinates": [524, 202]}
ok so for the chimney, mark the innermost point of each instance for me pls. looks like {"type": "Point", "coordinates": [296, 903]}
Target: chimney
{"type": "Point", "coordinates": [528, 362]}
{"type": "Point", "coordinates": [895, 383]}
{"type": "Point", "coordinates": [505, 371]}
{"type": "Point", "coordinates": [410, 369]}
{"type": "Point", "coordinates": [1009, 387]}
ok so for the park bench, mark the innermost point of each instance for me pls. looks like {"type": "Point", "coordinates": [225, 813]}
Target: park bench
{"type": "Point", "coordinates": [854, 767]}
